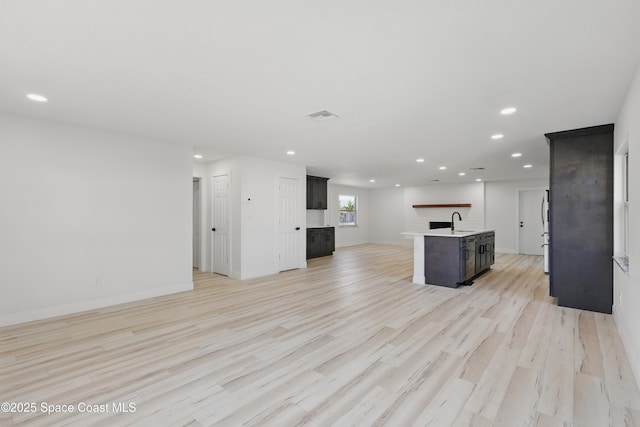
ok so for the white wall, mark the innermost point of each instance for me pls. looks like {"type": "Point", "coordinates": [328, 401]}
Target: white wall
{"type": "Point", "coordinates": [626, 286]}
{"type": "Point", "coordinates": [259, 209]}
{"type": "Point", "coordinates": [502, 210]}
{"type": "Point", "coordinates": [392, 210]}
{"type": "Point", "coordinates": [348, 235]}
{"type": "Point", "coordinates": [89, 219]}
{"type": "Point", "coordinates": [386, 216]}
{"type": "Point", "coordinates": [417, 219]}
{"type": "Point", "coordinates": [494, 206]}
{"type": "Point", "coordinates": [254, 213]}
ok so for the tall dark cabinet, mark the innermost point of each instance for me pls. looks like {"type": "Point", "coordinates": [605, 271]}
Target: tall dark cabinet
{"type": "Point", "coordinates": [581, 218]}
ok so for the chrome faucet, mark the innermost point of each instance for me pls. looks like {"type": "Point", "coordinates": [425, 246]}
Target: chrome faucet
{"type": "Point", "coordinates": [459, 218]}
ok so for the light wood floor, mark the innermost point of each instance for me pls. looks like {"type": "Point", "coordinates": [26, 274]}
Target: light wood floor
{"type": "Point", "coordinates": [348, 341]}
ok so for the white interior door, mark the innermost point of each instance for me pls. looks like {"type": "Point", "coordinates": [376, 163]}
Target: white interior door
{"type": "Point", "coordinates": [289, 228]}
{"type": "Point", "coordinates": [220, 225]}
{"type": "Point", "coordinates": [196, 223]}
{"type": "Point", "coordinates": [531, 226]}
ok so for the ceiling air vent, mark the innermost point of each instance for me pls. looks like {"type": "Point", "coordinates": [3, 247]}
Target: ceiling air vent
{"type": "Point", "coordinates": [322, 115]}
{"type": "Point", "coordinates": [476, 169]}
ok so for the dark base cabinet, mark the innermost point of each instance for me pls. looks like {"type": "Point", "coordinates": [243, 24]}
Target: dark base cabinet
{"type": "Point", "coordinates": [320, 242]}
{"type": "Point", "coordinates": [581, 218]}
{"type": "Point", "coordinates": [451, 261]}
{"type": "Point", "coordinates": [485, 254]}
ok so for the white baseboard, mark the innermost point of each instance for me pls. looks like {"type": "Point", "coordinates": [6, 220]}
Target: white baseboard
{"type": "Point", "coordinates": [344, 245]}
{"type": "Point", "coordinates": [505, 251]}
{"type": "Point", "coordinates": [246, 275]}
{"type": "Point", "coordinates": [73, 308]}
{"type": "Point", "coordinates": [390, 243]}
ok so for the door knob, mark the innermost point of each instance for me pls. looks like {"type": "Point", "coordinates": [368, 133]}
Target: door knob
{"type": "Point", "coordinates": [297, 228]}
{"type": "Point", "coordinates": [213, 229]}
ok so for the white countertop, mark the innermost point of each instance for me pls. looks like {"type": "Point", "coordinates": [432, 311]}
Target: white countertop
{"type": "Point", "coordinates": [446, 232]}
{"type": "Point", "coordinates": [319, 226]}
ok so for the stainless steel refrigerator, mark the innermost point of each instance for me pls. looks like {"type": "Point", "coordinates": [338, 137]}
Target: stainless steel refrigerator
{"type": "Point", "coordinates": [544, 213]}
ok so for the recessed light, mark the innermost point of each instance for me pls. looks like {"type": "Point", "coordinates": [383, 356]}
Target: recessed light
{"type": "Point", "coordinates": [516, 155]}
{"type": "Point", "coordinates": [36, 97]}
{"type": "Point", "coordinates": [435, 180]}
{"type": "Point", "coordinates": [291, 153]}
{"type": "Point", "coordinates": [397, 185]}
{"type": "Point", "coordinates": [372, 180]}
{"type": "Point", "coordinates": [478, 179]}
{"type": "Point", "coordinates": [442, 168]}
{"type": "Point", "coordinates": [421, 160]}
{"type": "Point", "coordinates": [197, 156]}
{"type": "Point", "coordinates": [508, 110]}
{"type": "Point", "coordinates": [527, 166]}
{"type": "Point", "coordinates": [497, 136]}
{"type": "Point", "coordinates": [462, 174]}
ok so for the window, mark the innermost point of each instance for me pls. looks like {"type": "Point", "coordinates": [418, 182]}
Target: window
{"type": "Point", "coordinates": [625, 189]}
{"type": "Point", "coordinates": [348, 210]}
{"type": "Point", "coordinates": [622, 219]}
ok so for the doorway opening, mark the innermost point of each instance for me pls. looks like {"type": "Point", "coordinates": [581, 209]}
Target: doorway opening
{"type": "Point", "coordinates": [532, 221]}
{"type": "Point", "coordinates": [221, 226]}
{"type": "Point", "coordinates": [289, 228]}
{"type": "Point", "coordinates": [196, 223]}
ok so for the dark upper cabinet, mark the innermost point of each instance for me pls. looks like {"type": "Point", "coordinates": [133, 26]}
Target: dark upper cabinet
{"type": "Point", "coordinates": [581, 218]}
{"type": "Point", "coordinates": [316, 192]}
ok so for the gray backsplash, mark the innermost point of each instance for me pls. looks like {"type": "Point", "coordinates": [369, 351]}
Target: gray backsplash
{"type": "Point", "coordinates": [315, 218]}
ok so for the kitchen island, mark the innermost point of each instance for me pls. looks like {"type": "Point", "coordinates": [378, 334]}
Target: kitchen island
{"type": "Point", "coordinates": [449, 258]}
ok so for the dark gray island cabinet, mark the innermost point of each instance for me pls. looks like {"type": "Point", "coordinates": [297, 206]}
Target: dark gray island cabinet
{"type": "Point", "coordinates": [446, 258]}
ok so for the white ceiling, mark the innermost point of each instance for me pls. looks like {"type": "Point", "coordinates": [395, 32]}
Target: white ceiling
{"type": "Point", "coordinates": [408, 78]}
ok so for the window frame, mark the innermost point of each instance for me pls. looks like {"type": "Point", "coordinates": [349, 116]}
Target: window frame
{"type": "Point", "coordinates": [355, 211]}
{"type": "Point", "coordinates": [625, 189]}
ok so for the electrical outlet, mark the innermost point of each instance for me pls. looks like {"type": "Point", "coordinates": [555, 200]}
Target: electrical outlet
{"type": "Point", "coordinates": [98, 282]}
